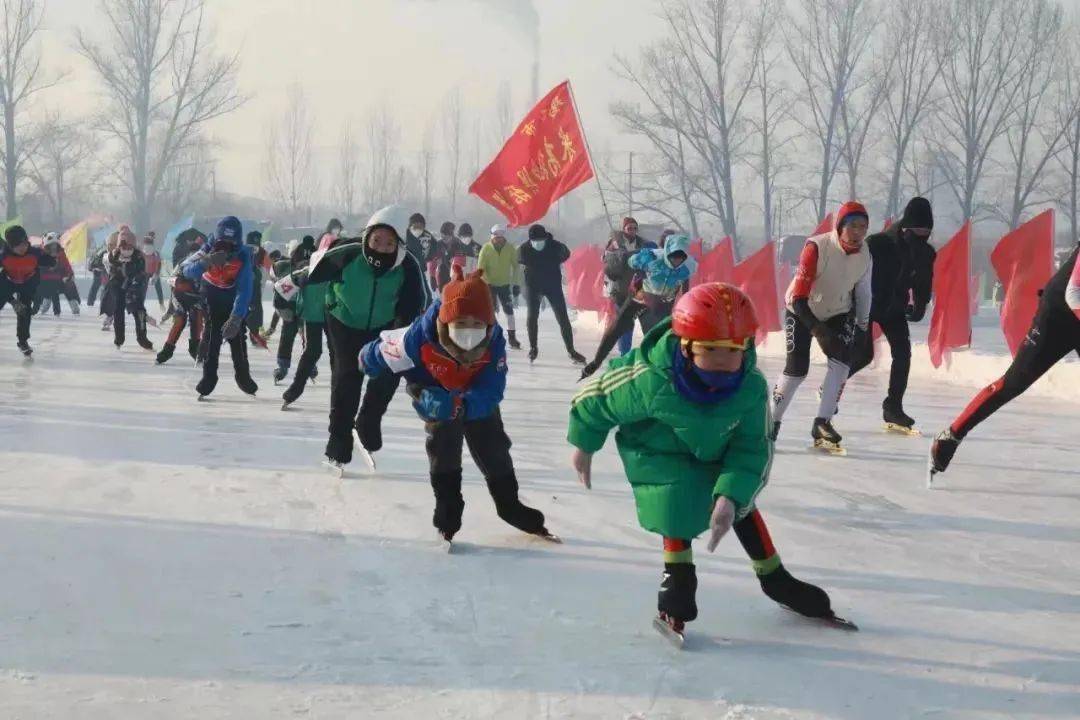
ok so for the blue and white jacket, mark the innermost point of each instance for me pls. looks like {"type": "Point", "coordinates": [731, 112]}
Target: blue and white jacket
{"type": "Point", "coordinates": [659, 277]}
{"type": "Point", "coordinates": [416, 353]}
{"type": "Point", "coordinates": [236, 278]}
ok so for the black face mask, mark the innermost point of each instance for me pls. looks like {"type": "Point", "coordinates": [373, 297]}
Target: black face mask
{"type": "Point", "coordinates": [910, 237]}
{"type": "Point", "coordinates": [379, 260]}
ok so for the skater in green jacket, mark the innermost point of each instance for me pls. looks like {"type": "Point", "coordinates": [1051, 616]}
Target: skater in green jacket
{"type": "Point", "coordinates": [691, 411]}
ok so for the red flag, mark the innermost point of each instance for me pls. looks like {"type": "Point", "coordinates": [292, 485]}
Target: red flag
{"type": "Point", "coordinates": [756, 276]}
{"type": "Point", "coordinates": [1024, 262]}
{"type": "Point", "coordinates": [585, 279]}
{"type": "Point", "coordinates": [543, 160]}
{"type": "Point", "coordinates": [696, 250]}
{"type": "Point", "coordinates": [825, 226]}
{"type": "Point", "coordinates": [718, 265]}
{"type": "Point", "coordinates": [950, 324]}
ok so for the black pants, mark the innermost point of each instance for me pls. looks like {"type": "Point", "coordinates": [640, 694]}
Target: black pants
{"type": "Point", "coordinates": [94, 287]}
{"type": "Point", "coordinates": [346, 388]}
{"type": "Point", "coordinates": [630, 311]}
{"type": "Point", "coordinates": [219, 307]}
{"type": "Point", "coordinates": [47, 290]}
{"type": "Point", "coordinates": [128, 300]}
{"type": "Point", "coordinates": [289, 329]}
{"type": "Point", "coordinates": [24, 294]}
{"type": "Point", "coordinates": [502, 297]}
{"type": "Point", "coordinates": [799, 337]}
{"type": "Point", "coordinates": [254, 320]}
{"type": "Point", "coordinates": [313, 348]}
{"type": "Point", "coordinates": [489, 446]}
{"type": "Point", "coordinates": [533, 297]}
{"type": "Point", "coordinates": [1054, 333]}
{"type": "Point", "coordinates": [899, 337]}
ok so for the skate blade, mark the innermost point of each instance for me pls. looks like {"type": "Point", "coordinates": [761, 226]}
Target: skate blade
{"type": "Point", "coordinates": [902, 430]}
{"type": "Point", "coordinates": [367, 457]}
{"type": "Point", "coordinates": [550, 537]}
{"type": "Point", "coordinates": [930, 473]}
{"type": "Point", "coordinates": [677, 639]}
{"type": "Point", "coordinates": [284, 407]}
{"type": "Point", "coordinates": [447, 546]}
{"type": "Point", "coordinates": [833, 621]}
{"type": "Point", "coordinates": [829, 448]}
{"type": "Point", "coordinates": [336, 470]}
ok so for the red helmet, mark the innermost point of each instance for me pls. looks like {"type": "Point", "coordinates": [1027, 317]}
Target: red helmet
{"type": "Point", "coordinates": [715, 313]}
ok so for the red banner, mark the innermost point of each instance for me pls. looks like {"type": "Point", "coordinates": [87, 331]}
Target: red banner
{"type": "Point", "coordinates": [543, 160]}
{"type": "Point", "coordinates": [1024, 262]}
{"type": "Point", "coordinates": [718, 265]}
{"type": "Point", "coordinates": [824, 226]}
{"type": "Point", "coordinates": [585, 279]}
{"type": "Point", "coordinates": [756, 276]}
{"type": "Point", "coordinates": [950, 324]}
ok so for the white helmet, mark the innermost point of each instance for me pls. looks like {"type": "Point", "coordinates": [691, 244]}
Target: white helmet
{"type": "Point", "coordinates": [498, 230]}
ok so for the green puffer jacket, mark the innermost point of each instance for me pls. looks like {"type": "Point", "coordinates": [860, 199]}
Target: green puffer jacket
{"type": "Point", "coordinates": [678, 455]}
{"type": "Point", "coordinates": [500, 266]}
{"type": "Point", "coordinates": [311, 303]}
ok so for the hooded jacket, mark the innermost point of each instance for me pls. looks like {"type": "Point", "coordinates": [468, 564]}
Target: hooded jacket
{"type": "Point", "coordinates": [500, 265]}
{"type": "Point", "coordinates": [361, 296]}
{"type": "Point", "coordinates": [235, 279]}
{"type": "Point", "coordinates": [417, 353]}
{"type": "Point", "coordinates": [20, 269]}
{"type": "Point", "coordinates": [617, 271]}
{"type": "Point", "coordinates": [902, 274]}
{"type": "Point", "coordinates": [679, 455]}
{"type": "Point", "coordinates": [661, 278]}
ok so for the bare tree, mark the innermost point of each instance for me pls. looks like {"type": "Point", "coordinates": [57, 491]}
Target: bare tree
{"type": "Point", "coordinates": [185, 181]}
{"type": "Point", "coordinates": [773, 111]}
{"type": "Point", "coordinates": [386, 179]}
{"type": "Point", "coordinates": [826, 45]}
{"type": "Point", "coordinates": [347, 186]}
{"type": "Point", "coordinates": [1068, 118]}
{"type": "Point", "coordinates": [20, 78]}
{"type": "Point", "coordinates": [289, 164]}
{"type": "Point", "coordinates": [1035, 136]}
{"type": "Point", "coordinates": [911, 93]}
{"type": "Point", "coordinates": [164, 81]}
{"type": "Point", "coordinates": [426, 166]}
{"type": "Point", "coordinates": [504, 113]}
{"type": "Point", "coordinates": [858, 109]}
{"type": "Point", "coordinates": [981, 55]}
{"type": "Point", "coordinates": [453, 131]}
{"type": "Point", "coordinates": [60, 165]}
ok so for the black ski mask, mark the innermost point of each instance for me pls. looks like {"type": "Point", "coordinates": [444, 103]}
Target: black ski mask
{"type": "Point", "coordinates": [381, 262]}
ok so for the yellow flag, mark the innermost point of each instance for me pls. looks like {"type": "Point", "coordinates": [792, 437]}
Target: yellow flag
{"type": "Point", "coordinates": [74, 241]}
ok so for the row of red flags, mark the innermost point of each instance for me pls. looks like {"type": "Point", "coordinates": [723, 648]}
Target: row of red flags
{"type": "Point", "coordinates": [1023, 261]}
{"type": "Point", "coordinates": [547, 157]}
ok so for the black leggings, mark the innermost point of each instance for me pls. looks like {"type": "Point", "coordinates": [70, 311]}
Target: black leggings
{"type": "Point", "coordinates": [899, 338]}
{"type": "Point", "coordinates": [313, 349]}
{"type": "Point", "coordinates": [1054, 333]}
{"type": "Point", "coordinates": [24, 295]}
{"type": "Point", "coordinates": [799, 337]}
{"type": "Point", "coordinates": [554, 295]}
{"type": "Point", "coordinates": [219, 309]}
{"type": "Point", "coordinates": [489, 446]}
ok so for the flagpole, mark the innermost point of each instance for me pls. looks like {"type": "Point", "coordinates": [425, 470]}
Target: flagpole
{"type": "Point", "coordinates": [585, 137]}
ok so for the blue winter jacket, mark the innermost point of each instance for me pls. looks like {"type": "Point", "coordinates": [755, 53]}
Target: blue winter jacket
{"type": "Point", "coordinates": [235, 279]}
{"type": "Point", "coordinates": [659, 277]}
{"type": "Point", "coordinates": [416, 353]}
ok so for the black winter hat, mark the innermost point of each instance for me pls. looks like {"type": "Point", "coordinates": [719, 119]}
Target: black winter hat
{"type": "Point", "coordinates": [333, 225]}
{"type": "Point", "coordinates": [417, 218]}
{"type": "Point", "coordinates": [537, 232]}
{"type": "Point", "coordinates": [15, 235]}
{"type": "Point", "coordinates": [254, 238]}
{"type": "Point", "coordinates": [447, 228]}
{"type": "Point", "coordinates": [918, 214]}
{"type": "Point", "coordinates": [465, 229]}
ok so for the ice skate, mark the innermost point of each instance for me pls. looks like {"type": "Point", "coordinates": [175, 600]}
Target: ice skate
{"type": "Point", "coordinates": [826, 439]}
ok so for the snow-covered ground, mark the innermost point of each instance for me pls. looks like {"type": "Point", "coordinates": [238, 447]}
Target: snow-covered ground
{"type": "Point", "coordinates": [168, 559]}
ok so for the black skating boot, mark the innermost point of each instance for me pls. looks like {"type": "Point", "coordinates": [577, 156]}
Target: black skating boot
{"type": "Point", "coordinates": [590, 368]}
{"type": "Point", "coordinates": [512, 337]}
{"type": "Point", "coordinates": [942, 451]}
{"type": "Point", "coordinates": [247, 384]}
{"type": "Point", "coordinates": [577, 358]}
{"type": "Point", "coordinates": [775, 432]}
{"type": "Point", "coordinates": [193, 348]}
{"type": "Point", "coordinates": [533, 353]}
{"type": "Point", "coordinates": [369, 432]}
{"type": "Point", "coordinates": [140, 333]}
{"type": "Point", "coordinates": [676, 601]}
{"type": "Point", "coordinates": [165, 354]}
{"type": "Point", "coordinates": [25, 349]}
{"type": "Point", "coordinates": [893, 413]}
{"type": "Point", "coordinates": [802, 597]}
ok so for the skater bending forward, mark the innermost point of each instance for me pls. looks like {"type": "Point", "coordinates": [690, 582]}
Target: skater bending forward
{"type": "Point", "coordinates": [453, 359]}
{"type": "Point", "coordinates": [692, 413]}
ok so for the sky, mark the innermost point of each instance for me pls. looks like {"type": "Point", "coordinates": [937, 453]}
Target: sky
{"type": "Point", "coordinates": [351, 55]}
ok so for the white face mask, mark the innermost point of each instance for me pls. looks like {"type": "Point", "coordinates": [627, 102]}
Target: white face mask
{"type": "Point", "coordinates": [538, 244]}
{"type": "Point", "coordinates": [467, 239]}
{"type": "Point", "coordinates": [467, 338]}
{"type": "Point", "coordinates": [416, 231]}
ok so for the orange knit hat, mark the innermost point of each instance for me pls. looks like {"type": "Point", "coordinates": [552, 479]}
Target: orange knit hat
{"type": "Point", "coordinates": [466, 297]}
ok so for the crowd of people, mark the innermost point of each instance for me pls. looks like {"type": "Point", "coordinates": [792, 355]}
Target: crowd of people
{"type": "Point", "coordinates": [695, 416]}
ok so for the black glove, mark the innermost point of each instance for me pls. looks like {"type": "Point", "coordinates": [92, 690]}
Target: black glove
{"type": "Point", "coordinates": [830, 341]}
{"type": "Point", "coordinates": [232, 327]}
{"type": "Point", "coordinates": [590, 367]}
{"type": "Point", "coordinates": [915, 313]}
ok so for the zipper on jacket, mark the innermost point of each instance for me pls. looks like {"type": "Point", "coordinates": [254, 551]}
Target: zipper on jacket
{"type": "Point", "coordinates": [371, 304]}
